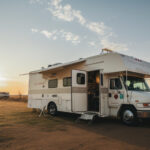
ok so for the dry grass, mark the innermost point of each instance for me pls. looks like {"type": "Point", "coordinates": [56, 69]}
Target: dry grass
{"type": "Point", "coordinates": [22, 129]}
{"type": "Point", "coordinates": [17, 98]}
{"type": "Point", "coordinates": [22, 98]}
{"type": "Point", "coordinates": [16, 113]}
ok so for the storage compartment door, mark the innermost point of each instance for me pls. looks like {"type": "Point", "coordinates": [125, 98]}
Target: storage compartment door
{"type": "Point", "coordinates": [79, 91]}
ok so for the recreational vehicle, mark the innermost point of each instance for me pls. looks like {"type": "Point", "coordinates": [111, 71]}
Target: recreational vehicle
{"type": "Point", "coordinates": [106, 85]}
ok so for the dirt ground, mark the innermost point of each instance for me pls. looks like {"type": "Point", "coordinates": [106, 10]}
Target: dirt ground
{"type": "Point", "coordinates": [22, 129]}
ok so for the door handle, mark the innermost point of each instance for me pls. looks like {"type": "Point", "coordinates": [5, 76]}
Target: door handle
{"type": "Point", "coordinates": [119, 92]}
{"type": "Point", "coordinates": [109, 94]}
{"type": "Point", "coordinates": [55, 95]}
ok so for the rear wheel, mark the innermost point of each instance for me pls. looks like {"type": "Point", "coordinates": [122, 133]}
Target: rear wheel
{"type": "Point", "coordinates": [52, 109]}
{"type": "Point", "coordinates": [129, 116]}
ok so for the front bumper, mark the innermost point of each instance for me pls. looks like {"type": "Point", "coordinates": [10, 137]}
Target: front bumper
{"type": "Point", "coordinates": [143, 114]}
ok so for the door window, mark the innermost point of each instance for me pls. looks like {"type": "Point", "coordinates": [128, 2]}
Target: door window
{"type": "Point", "coordinates": [80, 78]}
{"type": "Point", "coordinates": [115, 84]}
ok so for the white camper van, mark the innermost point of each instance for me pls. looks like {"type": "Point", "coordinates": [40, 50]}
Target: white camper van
{"type": "Point", "coordinates": [109, 84]}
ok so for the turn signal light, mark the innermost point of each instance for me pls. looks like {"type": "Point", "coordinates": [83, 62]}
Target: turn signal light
{"type": "Point", "coordinates": [145, 105]}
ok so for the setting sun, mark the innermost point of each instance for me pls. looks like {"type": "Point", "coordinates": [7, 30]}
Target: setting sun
{"type": "Point", "coordinates": [13, 86]}
{"type": "Point", "coordinates": [2, 81]}
{"type": "Point", "coordinates": [2, 78]}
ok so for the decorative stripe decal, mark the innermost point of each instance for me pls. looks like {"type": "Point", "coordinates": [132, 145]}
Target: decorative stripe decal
{"type": "Point", "coordinates": [51, 91]}
{"type": "Point", "coordinates": [79, 90]}
{"type": "Point", "coordinates": [59, 90]}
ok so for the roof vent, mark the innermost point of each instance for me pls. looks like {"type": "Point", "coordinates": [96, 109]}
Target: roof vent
{"type": "Point", "coordinates": [49, 66]}
{"type": "Point", "coordinates": [107, 50]}
{"type": "Point", "coordinates": [54, 64]}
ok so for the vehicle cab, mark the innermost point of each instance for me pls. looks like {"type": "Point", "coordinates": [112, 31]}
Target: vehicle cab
{"type": "Point", "coordinates": [129, 97]}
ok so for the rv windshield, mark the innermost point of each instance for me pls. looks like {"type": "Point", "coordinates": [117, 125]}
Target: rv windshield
{"type": "Point", "coordinates": [136, 84]}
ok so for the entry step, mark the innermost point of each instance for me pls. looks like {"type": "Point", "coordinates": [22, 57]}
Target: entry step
{"type": "Point", "coordinates": [88, 116]}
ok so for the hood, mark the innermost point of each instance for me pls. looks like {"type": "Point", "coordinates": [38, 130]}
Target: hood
{"type": "Point", "coordinates": [142, 96]}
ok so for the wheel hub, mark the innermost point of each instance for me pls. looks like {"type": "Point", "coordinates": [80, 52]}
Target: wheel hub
{"type": "Point", "coordinates": [52, 109]}
{"type": "Point", "coordinates": [128, 116]}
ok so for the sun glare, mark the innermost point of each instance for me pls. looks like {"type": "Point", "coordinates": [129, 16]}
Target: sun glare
{"type": "Point", "coordinates": [2, 78]}
{"type": "Point", "coordinates": [3, 82]}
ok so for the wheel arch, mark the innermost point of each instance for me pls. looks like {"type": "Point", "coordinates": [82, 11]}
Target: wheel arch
{"type": "Point", "coordinates": [51, 102]}
{"type": "Point", "coordinates": [125, 106]}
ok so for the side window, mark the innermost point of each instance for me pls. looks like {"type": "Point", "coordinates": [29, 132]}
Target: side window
{"type": "Point", "coordinates": [67, 81]}
{"type": "Point", "coordinates": [80, 78]}
{"type": "Point", "coordinates": [52, 83]}
{"type": "Point", "coordinates": [115, 84]}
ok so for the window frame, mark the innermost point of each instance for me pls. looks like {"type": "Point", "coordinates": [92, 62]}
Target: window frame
{"type": "Point", "coordinates": [53, 80]}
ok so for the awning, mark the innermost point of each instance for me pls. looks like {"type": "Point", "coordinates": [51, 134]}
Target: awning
{"type": "Point", "coordinates": [58, 67]}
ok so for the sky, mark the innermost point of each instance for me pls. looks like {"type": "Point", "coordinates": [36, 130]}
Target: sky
{"type": "Point", "coordinates": [36, 33]}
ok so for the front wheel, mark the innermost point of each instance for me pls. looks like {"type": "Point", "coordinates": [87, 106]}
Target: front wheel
{"type": "Point", "coordinates": [52, 109]}
{"type": "Point", "coordinates": [129, 116]}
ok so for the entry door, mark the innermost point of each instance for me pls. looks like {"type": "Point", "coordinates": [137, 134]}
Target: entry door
{"type": "Point", "coordinates": [116, 92]}
{"type": "Point", "coordinates": [79, 90]}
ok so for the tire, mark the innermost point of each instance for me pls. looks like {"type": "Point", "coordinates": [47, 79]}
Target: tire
{"type": "Point", "coordinates": [52, 109]}
{"type": "Point", "coordinates": [129, 117]}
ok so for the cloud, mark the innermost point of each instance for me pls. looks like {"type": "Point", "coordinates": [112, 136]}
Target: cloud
{"type": "Point", "coordinates": [46, 33]}
{"type": "Point", "coordinates": [106, 43]}
{"type": "Point", "coordinates": [68, 14]}
{"type": "Point", "coordinates": [96, 27]}
{"type": "Point", "coordinates": [68, 36]}
{"type": "Point", "coordinates": [35, 1]}
{"type": "Point", "coordinates": [56, 2]}
{"type": "Point", "coordinates": [49, 34]}
{"type": "Point", "coordinates": [80, 18]}
{"type": "Point", "coordinates": [34, 30]}
{"type": "Point", "coordinates": [65, 12]}
{"type": "Point", "coordinates": [92, 43]}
